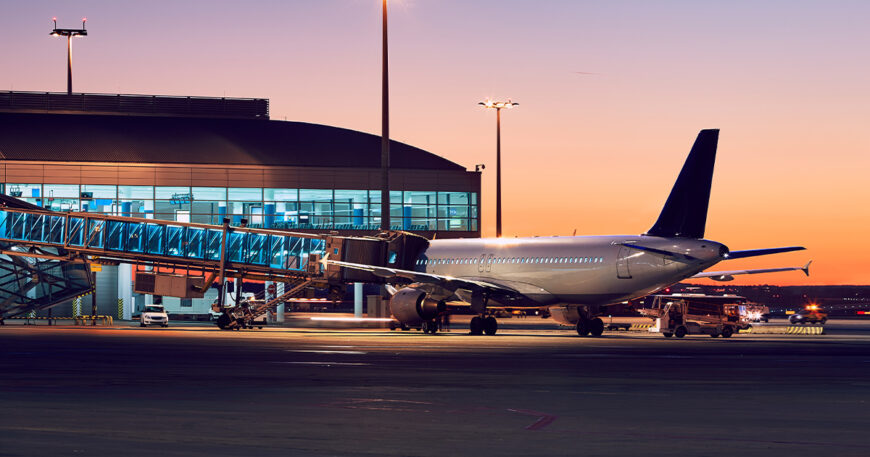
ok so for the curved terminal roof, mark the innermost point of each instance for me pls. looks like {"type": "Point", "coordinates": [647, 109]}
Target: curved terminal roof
{"type": "Point", "coordinates": [191, 140]}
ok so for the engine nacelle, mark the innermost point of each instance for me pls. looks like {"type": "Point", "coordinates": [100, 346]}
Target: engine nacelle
{"type": "Point", "coordinates": [412, 306]}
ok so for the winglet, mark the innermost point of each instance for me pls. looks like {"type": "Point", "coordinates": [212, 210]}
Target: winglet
{"type": "Point", "coordinates": [806, 268]}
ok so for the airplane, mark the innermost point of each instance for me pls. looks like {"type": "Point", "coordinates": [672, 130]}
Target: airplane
{"type": "Point", "coordinates": [574, 278]}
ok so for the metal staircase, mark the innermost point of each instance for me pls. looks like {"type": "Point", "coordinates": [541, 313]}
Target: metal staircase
{"type": "Point", "coordinates": [296, 288]}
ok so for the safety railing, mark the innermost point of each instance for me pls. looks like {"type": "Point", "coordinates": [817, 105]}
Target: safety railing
{"type": "Point", "coordinates": [157, 240]}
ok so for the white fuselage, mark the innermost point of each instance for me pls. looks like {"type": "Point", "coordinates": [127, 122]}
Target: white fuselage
{"type": "Point", "coordinates": [582, 270]}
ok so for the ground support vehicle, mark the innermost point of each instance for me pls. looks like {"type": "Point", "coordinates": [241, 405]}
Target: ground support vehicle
{"type": "Point", "coordinates": [239, 317]}
{"type": "Point", "coordinates": [681, 315]}
{"type": "Point", "coordinates": [754, 312]}
{"type": "Point", "coordinates": [252, 312]}
{"type": "Point", "coordinates": [809, 315]}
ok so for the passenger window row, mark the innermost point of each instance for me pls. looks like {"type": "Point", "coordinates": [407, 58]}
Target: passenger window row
{"type": "Point", "coordinates": [505, 260]}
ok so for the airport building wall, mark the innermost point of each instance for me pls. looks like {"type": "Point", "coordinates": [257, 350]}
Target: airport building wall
{"type": "Point", "coordinates": [184, 165]}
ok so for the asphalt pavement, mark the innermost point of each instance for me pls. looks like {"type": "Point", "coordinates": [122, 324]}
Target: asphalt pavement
{"type": "Point", "coordinates": [196, 390]}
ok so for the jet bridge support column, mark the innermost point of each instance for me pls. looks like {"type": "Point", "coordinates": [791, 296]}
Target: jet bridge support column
{"type": "Point", "coordinates": [280, 310]}
{"type": "Point", "coordinates": [125, 289]}
{"type": "Point", "coordinates": [221, 274]}
{"type": "Point", "coordinates": [357, 299]}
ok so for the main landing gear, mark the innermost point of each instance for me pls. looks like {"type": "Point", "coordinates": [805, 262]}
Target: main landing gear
{"type": "Point", "coordinates": [587, 327]}
{"type": "Point", "coordinates": [430, 327]}
{"type": "Point", "coordinates": [483, 324]}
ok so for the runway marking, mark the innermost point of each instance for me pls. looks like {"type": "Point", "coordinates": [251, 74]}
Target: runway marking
{"type": "Point", "coordinates": [328, 364]}
{"type": "Point", "coordinates": [381, 404]}
{"type": "Point", "coordinates": [595, 354]}
{"type": "Point", "coordinates": [544, 419]}
{"type": "Point", "coordinates": [324, 351]}
{"type": "Point", "coordinates": [634, 356]}
{"type": "Point", "coordinates": [384, 404]}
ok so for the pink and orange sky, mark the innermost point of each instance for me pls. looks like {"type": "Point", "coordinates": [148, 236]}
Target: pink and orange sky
{"type": "Point", "coordinates": [611, 97]}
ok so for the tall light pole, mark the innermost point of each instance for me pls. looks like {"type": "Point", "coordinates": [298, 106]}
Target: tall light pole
{"type": "Point", "coordinates": [385, 132]}
{"type": "Point", "coordinates": [498, 107]}
{"type": "Point", "coordinates": [69, 34]}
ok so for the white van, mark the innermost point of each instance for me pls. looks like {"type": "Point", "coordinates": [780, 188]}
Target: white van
{"type": "Point", "coordinates": [154, 315]}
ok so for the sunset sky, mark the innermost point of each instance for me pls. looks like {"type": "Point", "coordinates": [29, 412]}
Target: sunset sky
{"type": "Point", "coordinates": [611, 93]}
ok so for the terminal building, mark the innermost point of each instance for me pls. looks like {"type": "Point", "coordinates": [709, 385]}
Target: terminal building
{"type": "Point", "coordinates": [204, 160]}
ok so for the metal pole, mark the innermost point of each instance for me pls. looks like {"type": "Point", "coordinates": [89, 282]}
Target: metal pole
{"type": "Point", "coordinates": [222, 271]}
{"type": "Point", "coordinates": [385, 133]}
{"type": "Point", "coordinates": [498, 172]}
{"type": "Point", "coordinates": [94, 299]}
{"type": "Point", "coordinates": [69, 65]}
{"type": "Point", "coordinates": [358, 299]}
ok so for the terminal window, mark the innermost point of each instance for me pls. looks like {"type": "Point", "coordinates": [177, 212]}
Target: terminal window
{"type": "Point", "coordinates": [330, 209]}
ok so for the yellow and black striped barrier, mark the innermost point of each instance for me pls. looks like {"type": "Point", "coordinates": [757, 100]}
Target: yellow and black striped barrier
{"type": "Point", "coordinates": [639, 327]}
{"type": "Point", "coordinates": [804, 330]}
{"type": "Point", "coordinates": [89, 320]}
{"type": "Point", "coordinates": [785, 329]}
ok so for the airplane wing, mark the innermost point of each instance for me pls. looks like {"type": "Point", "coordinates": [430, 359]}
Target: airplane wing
{"type": "Point", "coordinates": [729, 275]}
{"type": "Point", "coordinates": [448, 282]}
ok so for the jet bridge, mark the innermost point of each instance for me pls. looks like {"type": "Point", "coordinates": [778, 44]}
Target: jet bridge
{"type": "Point", "coordinates": [32, 235]}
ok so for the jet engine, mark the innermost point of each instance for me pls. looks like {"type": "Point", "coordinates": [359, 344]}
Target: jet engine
{"type": "Point", "coordinates": [412, 306]}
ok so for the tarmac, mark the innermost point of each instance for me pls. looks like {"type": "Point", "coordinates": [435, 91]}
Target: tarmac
{"type": "Point", "coordinates": [532, 389]}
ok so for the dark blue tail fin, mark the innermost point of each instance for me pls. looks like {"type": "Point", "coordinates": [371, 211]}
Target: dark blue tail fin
{"type": "Point", "coordinates": [685, 212]}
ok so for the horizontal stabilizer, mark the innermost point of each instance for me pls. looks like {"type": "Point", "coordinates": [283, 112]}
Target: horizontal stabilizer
{"type": "Point", "coordinates": [729, 275]}
{"type": "Point", "coordinates": [757, 252]}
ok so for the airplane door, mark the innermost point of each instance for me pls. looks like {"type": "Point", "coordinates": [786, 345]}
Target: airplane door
{"type": "Point", "coordinates": [622, 271]}
{"type": "Point", "coordinates": [480, 264]}
{"type": "Point", "coordinates": [489, 263]}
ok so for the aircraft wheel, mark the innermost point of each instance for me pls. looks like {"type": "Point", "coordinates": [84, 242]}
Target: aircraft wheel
{"type": "Point", "coordinates": [667, 334]}
{"type": "Point", "coordinates": [680, 332]}
{"type": "Point", "coordinates": [223, 321]}
{"type": "Point", "coordinates": [490, 325]}
{"type": "Point", "coordinates": [596, 327]}
{"type": "Point", "coordinates": [476, 325]}
{"type": "Point", "coordinates": [430, 327]}
{"type": "Point", "coordinates": [727, 332]}
{"type": "Point", "coordinates": [583, 327]}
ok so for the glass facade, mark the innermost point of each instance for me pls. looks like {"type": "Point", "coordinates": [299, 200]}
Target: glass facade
{"type": "Point", "coordinates": [318, 209]}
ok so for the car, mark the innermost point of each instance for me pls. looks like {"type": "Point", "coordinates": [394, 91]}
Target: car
{"type": "Point", "coordinates": [154, 315]}
{"type": "Point", "coordinates": [810, 315]}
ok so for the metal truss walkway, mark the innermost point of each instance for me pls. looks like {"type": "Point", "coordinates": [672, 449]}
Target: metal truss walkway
{"type": "Point", "coordinates": [235, 251]}
{"type": "Point", "coordinates": [45, 256]}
